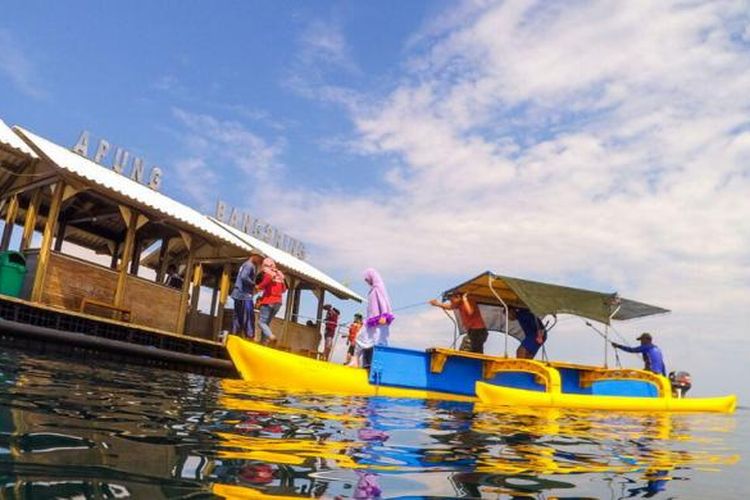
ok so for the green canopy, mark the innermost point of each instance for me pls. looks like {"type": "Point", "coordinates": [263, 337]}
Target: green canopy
{"type": "Point", "coordinates": [544, 298]}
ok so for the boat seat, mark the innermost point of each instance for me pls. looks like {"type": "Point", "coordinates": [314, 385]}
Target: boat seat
{"type": "Point", "coordinates": [492, 365]}
{"type": "Point", "coordinates": [123, 313]}
{"type": "Point", "coordinates": [439, 355]}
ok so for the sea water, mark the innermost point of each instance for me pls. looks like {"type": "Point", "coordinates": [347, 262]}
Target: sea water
{"type": "Point", "coordinates": [87, 429]}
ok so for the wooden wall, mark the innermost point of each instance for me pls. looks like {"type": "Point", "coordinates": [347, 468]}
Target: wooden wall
{"type": "Point", "coordinates": [69, 280]}
{"type": "Point", "coordinates": [151, 304]}
{"type": "Point", "coordinates": [298, 338]}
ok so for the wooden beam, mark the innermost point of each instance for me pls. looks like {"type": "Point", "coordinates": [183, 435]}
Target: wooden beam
{"type": "Point", "coordinates": [135, 263]}
{"type": "Point", "coordinates": [115, 255]}
{"type": "Point", "coordinates": [161, 267]}
{"type": "Point", "coordinates": [127, 254]}
{"type": "Point", "coordinates": [182, 312]}
{"type": "Point", "coordinates": [297, 295]}
{"type": "Point", "coordinates": [10, 221]}
{"type": "Point", "coordinates": [30, 222]}
{"type": "Point", "coordinates": [292, 298]}
{"type": "Point", "coordinates": [223, 295]}
{"type": "Point", "coordinates": [61, 228]}
{"type": "Point", "coordinates": [95, 217]}
{"type": "Point", "coordinates": [215, 295]}
{"type": "Point", "coordinates": [47, 181]}
{"type": "Point", "coordinates": [46, 247]}
{"type": "Point", "coordinates": [321, 303]}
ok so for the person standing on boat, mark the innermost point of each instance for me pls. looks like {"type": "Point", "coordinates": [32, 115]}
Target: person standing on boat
{"type": "Point", "coordinates": [652, 356]}
{"type": "Point", "coordinates": [242, 295]}
{"type": "Point", "coordinates": [273, 286]}
{"type": "Point", "coordinates": [379, 318]}
{"type": "Point", "coordinates": [535, 334]}
{"type": "Point", "coordinates": [471, 320]}
{"type": "Point", "coordinates": [351, 337]}
{"type": "Point", "coordinates": [331, 323]}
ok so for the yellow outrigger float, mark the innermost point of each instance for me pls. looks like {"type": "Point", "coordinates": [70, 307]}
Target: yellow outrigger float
{"type": "Point", "coordinates": [497, 395]}
{"type": "Point", "coordinates": [448, 374]}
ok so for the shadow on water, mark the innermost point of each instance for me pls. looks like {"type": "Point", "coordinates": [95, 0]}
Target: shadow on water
{"type": "Point", "coordinates": [71, 430]}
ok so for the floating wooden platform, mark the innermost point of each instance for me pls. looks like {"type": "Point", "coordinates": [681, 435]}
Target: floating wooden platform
{"type": "Point", "coordinates": [41, 328]}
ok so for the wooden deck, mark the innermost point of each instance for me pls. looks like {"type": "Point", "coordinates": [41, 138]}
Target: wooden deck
{"type": "Point", "coordinates": [45, 328]}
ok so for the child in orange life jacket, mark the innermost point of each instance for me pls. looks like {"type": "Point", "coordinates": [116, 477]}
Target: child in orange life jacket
{"type": "Point", "coordinates": [351, 337]}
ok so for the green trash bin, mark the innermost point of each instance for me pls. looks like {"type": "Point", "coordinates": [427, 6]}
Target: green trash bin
{"type": "Point", "coordinates": [12, 273]}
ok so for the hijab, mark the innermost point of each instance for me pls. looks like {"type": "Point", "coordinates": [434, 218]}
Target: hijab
{"type": "Point", "coordinates": [378, 302]}
{"type": "Point", "coordinates": [269, 267]}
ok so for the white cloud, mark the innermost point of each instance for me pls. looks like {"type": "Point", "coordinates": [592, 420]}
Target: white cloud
{"type": "Point", "coordinates": [324, 43]}
{"type": "Point", "coordinates": [595, 139]}
{"type": "Point", "coordinates": [322, 53]}
{"type": "Point", "coordinates": [18, 68]}
{"type": "Point", "coordinates": [212, 143]}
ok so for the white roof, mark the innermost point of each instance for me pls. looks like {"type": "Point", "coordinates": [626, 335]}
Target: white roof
{"type": "Point", "coordinates": [290, 262]}
{"type": "Point", "coordinates": [128, 188]}
{"type": "Point", "coordinates": [139, 194]}
{"type": "Point", "coordinates": [10, 139]}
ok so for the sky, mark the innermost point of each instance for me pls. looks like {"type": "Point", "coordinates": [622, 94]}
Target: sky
{"type": "Point", "coordinates": [596, 144]}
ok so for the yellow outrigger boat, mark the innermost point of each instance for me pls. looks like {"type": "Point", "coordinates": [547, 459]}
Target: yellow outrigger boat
{"type": "Point", "coordinates": [496, 381]}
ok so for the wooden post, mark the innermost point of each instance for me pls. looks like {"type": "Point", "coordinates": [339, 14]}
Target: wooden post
{"type": "Point", "coordinates": [61, 228]}
{"type": "Point", "coordinates": [46, 247]}
{"type": "Point", "coordinates": [182, 311]}
{"type": "Point", "coordinates": [30, 223]}
{"type": "Point", "coordinates": [135, 263]}
{"type": "Point", "coordinates": [127, 253]}
{"type": "Point", "coordinates": [10, 221]}
{"type": "Point", "coordinates": [223, 295]}
{"type": "Point", "coordinates": [115, 255]}
{"type": "Point", "coordinates": [321, 303]}
{"type": "Point", "coordinates": [162, 266]}
{"type": "Point", "coordinates": [214, 294]}
{"type": "Point", "coordinates": [291, 303]}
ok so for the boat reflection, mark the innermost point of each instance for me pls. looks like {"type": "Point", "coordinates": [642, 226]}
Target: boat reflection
{"type": "Point", "coordinates": [482, 451]}
{"type": "Point", "coordinates": [73, 431]}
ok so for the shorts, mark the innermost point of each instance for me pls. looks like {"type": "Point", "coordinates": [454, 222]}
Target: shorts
{"type": "Point", "coordinates": [474, 340]}
{"type": "Point", "coordinates": [531, 343]}
{"type": "Point", "coordinates": [350, 351]}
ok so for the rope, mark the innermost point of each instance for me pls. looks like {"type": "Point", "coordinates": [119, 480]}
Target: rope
{"type": "Point", "coordinates": [410, 306]}
{"type": "Point", "coordinates": [624, 340]}
{"type": "Point", "coordinates": [617, 358]}
{"type": "Point", "coordinates": [617, 354]}
{"type": "Point", "coordinates": [455, 328]}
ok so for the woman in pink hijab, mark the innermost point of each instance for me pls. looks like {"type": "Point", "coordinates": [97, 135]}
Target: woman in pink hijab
{"type": "Point", "coordinates": [378, 319]}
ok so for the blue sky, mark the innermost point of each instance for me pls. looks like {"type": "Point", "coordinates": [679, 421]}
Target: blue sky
{"type": "Point", "coordinates": [600, 144]}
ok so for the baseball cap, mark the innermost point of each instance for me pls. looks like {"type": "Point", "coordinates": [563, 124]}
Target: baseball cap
{"type": "Point", "coordinates": [644, 336]}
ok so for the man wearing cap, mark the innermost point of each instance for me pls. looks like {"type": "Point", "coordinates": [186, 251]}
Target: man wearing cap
{"type": "Point", "coordinates": [652, 356]}
{"type": "Point", "coordinates": [471, 320]}
{"type": "Point", "coordinates": [242, 294]}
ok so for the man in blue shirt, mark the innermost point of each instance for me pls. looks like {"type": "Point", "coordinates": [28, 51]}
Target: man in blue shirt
{"type": "Point", "coordinates": [652, 356]}
{"type": "Point", "coordinates": [242, 294]}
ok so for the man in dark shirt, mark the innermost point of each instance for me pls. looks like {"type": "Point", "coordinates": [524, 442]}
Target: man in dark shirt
{"type": "Point", "coordinates": [652, 356]}
{"type": "Point", "coordinates": [172, 278]}
{"type": "Point", "coordinates": [242, 294]}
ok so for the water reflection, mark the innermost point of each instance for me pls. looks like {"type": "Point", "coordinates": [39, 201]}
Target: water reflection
{"type": "Point", "coordinates": [71, 430]}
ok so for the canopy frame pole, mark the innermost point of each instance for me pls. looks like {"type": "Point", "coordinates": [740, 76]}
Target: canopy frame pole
{"type": "Point", "coordinates": [606, 335]}
{"type": "Point", "coordinates": [490, 279]}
